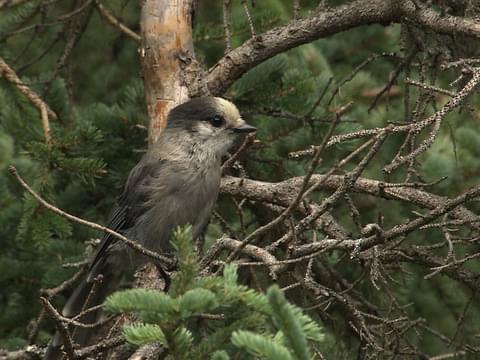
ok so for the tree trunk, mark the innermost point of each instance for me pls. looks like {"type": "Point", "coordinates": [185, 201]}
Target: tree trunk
{"type": "Point", "coordinates": [166, 30]}
{"type": "Point", "coordinates": [167, 46]}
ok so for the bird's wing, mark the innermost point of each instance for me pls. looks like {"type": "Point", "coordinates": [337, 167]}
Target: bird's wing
{"type": "Point", "coordinates": [129, 206]}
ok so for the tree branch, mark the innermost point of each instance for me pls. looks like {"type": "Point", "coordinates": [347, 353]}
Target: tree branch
{"type": "Point", "coordinates": [31, 352]}
{"type": "Point", "coordinates": [132, 244]}
{"type": "Point", "coordinates": [281, 193]}
{"type": "Point", "coordinates": [45, 112]}
{"type": "Point", "coordinates": [439, 23]}
{"type": "Point", "coordinates": [262, 47]}
{"type": "Point", "coordinates": [320, 25]}
{"type": "Point", "coordinates": [112, 20]}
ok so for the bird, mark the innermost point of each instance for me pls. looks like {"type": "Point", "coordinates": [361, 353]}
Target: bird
{"type": "Point", "coordinates": [175, 183]}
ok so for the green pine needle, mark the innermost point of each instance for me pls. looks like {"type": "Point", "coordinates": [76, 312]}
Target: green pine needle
{"type": "Point", "coordinates": [260, 345]}
{"type": "Point", "coordinates": [220, 355]}
{"type": "Point", "coordinates": [141, 334]}
{"type": "Point", "coordinates": [285, 319]}
{"type": "Point", "coordinates": [141, 300]}
{"type": "Point", "coordinates": [197, 301]}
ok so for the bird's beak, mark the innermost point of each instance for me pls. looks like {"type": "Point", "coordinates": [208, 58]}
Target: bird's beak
{"type": "Point", "coordinates": [245, 128]}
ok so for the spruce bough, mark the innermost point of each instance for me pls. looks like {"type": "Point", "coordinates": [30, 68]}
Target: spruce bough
{"type": "Point", "coordinates": [240, 321]}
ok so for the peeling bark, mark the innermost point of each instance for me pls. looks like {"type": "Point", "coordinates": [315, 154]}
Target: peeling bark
{"type": "Point", "coordinates": [166, 31]}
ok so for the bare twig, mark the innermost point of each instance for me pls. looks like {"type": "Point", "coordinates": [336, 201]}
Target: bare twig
{"type": "Point", "coordinates": [250, 250]}
{"type": "Point", "coordinates": [74, 28]}
{"type": "Point", "coordinates": [393, 77]}
{"type": "Point", "coordinates": [132, 244]}
{"type": "Point", "coordinates": [68, 344]}
{"type": "Point", "coordinates": [281, 193]}
{"type": "Point", "coordinates": [100, 347]}
{"type": "Point", "coordinates": [436, 119]}
{"type": "Point", "coordinates": [347, 184]}
{"type": "Point", "coordinates": [249, 18]}
{"type": "Point", "coordinates": [45, 124]}
{"type": "Point", "coordinates": [300, 196]}
{"type": "Point", "coordinates": [248, 140]}
{"type": "Point", "coordinates": [296, 8]}
{"type": "Point", "coordinates": [429, 87]}
{"type": "Point", "coordinates": [112, 20]}
{"type": "Point", "coordinates": [44, 110]}
{"type": "Point", "coordinates": [30, 352]}
{"type": "Point", "coordinates": [226, 25]}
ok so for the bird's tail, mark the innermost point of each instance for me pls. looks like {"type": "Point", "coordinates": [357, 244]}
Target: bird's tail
{"type": "Point", "coordinates": [86, 295]}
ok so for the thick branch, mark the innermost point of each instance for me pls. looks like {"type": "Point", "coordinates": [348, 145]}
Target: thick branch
{"type": "Point", "coordinates": [31, 352]}
{"type": "Point", "coordinates": [281, 193]}
{"type": "Point", "coordinates": [447, 25]}
{"type": "Point", "coordinates": [320, 25]}
{"type": "Point", "coordinates": [252, 251]}
{"type": "Point", "coordinates": [262, 47]}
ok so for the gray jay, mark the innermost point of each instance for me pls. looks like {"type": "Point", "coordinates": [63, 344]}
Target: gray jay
{"type": "Point", "coordinates": [175, 183]}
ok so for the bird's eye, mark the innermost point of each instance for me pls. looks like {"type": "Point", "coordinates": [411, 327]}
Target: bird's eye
{"type": "Point", "coordinates": [217, 120]}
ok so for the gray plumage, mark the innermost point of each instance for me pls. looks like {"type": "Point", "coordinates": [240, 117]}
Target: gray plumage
{"type": "Point", "coordinates": [175, 183]}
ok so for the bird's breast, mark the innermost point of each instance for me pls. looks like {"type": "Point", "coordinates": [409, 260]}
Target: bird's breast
{"type": "Point", "coordinates": [186, 196]}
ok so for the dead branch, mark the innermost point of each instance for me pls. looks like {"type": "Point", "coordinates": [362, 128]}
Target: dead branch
{"type": "Point", "coordinates": [68, 344]}
{"type": "Point", "coordinates": [436, 119]}
{"type": "Point", "coordinates": [100, 347]}
{"type": "Point", "coordinates": [280, 193]}
{"type": "Point", "coordinates": [31, 352]}
{"type": "Point", "coordinates": [252, 251]}
{"type": "Point", "coordinates": [348, 182]}
{"type": "Point", "coordinates": [304, 190]}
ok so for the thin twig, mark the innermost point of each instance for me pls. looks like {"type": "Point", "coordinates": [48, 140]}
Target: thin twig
{"type": "Point", "coordinates": [226, 25]}
{"type": "Point", "coordinates": [429, 87]}
{"type": "Point", "coordinates": [45, 124]}
{"type": "Point", "coordinates": [349, 180]}
{"type": "Point", "coordinates": [112, 20]}
{"type": "Point", "coordinates": [300, 196]}
{"type": "Point", "coordinates": [393, 77]}
{"type": "Point", "coordinates": [132, 244]}
{"type": "Point", "coordinates": [11, 3]}
{"type": "Point", "coordinates": [249, 18]}
{"type": "Point", "coordinates": [247, 141]}
{"type": "Point", "coordinates": [68, 344]}
{"type": "Point", "coordinates": [100, 347]}
{"type": "Point", "coordinates": [45, 111]}
{"type": "Point", "coordinates": [296, 9]}
{"type": "Point", "coordinates": [354, 72]}
{"type": "Point", "coordinates": [436, 119]}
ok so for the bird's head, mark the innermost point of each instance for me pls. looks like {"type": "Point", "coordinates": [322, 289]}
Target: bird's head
{"type": "Point", "coordinates": [211, 122]}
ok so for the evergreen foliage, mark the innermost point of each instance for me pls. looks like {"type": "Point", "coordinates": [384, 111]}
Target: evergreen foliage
{"type": "Point", "coordinates": [100, 134]}
{"type": "Point", "coordinates": [267, 326]}
{"type": "Point", "coordinates": [96, 140]}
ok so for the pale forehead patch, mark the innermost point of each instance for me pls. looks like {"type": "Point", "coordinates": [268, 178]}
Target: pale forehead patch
{"type": "Point", "coordinates": [230, 111]}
